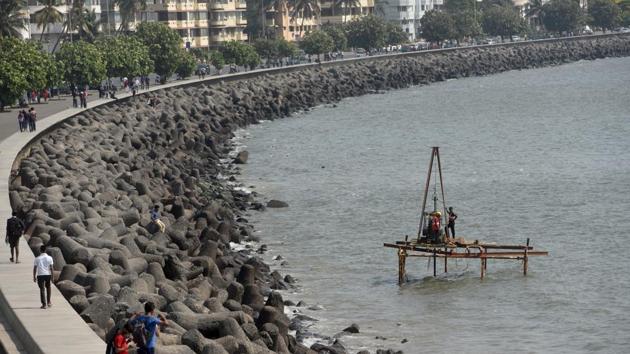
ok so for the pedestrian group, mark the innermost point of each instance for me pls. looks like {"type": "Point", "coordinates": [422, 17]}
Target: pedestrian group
{"type": "Point", "coordinates": [27, 120]}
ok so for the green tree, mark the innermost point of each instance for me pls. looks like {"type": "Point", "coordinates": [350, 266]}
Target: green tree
{"type": "Point", "coordinates": [47, 15]}
{"type": "Point", "coordinates": [437, 26]}
{"type": "Point", "coordinates": [338, 36]}
{"type": "Point", "coordinates": [317, 42]}
{"type": "Point", "coordinates": [502, 20]}
{"type": "Point", "coordinates": [186, 64]}
{"type": "Point", "coordinates": [82, 63]}
{"type": "Point", "coordinates": [534, 12]}
{"type": "Point", "coordinates": [267, 48]}
{"type": "Point", "coordinates": [367, 32]}
{"type": "Point", "coordinates": [216, 59]}
{"type": "Point", "coordinates": [23, 66]}
{"type": "Point", "coordinates": [200, 54]}
{"type": "Point", "coordinates": [286, 48]}
{"type": "Point", "coordinates": [241, 54]}
{"type": "Point", "coordinates": [54, 72]}
{"type": "Point", "coordinates": [305, 9]}
{"type": "Point", "coordinates": [456, 6]}
{"type": "Point", "coordinates": [347, 6]}
{"type": "Point", "coordinates": [129, 9]}
{"type": "Point", "coordinates": [604, 14]}
{"type": "Point", "coordinates": [125, 56]}
{"type": "Point", "coordinates": [11, 21]}
{"type": "Point", "coordinates": [163, 44]}
{"type": "Point", "coordinates": [561, 15]}
{"type": "Point", "coordinates": [465, 26]}
{"type": "Point", "coordinates": [395, 34]}
{"type": "Point", "coordinates": [624, 6]}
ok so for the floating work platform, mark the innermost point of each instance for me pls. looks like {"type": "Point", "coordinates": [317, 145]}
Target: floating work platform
{"type": "Point", "coordinates": [434, 241]}
{"type": "Point", "coordinates": [459, 248]}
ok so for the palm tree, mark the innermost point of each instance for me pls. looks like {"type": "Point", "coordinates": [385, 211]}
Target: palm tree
{"type": "Point", "coordinates": [280, 7]}
{"type": "Point", "coordinates": [128, 11]}
{"type": "Point", "coordinates": [305, 8]}
{"type": "Point", "coordinates": [11, 18]}
{"type": "Point", "coordinates": [348, 4]}
{"type": "Point", "coordinates": [48, 15]}
{"type": "Point", "coordinates": [534, 11]}
{"type": "Point", "coordinates": [81, 20]}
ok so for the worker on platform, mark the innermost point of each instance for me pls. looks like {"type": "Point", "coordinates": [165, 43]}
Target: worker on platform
{"type": "Point", "coordinates": [451, 221]}
{"type": "Point", "coordinates": [436, 224]}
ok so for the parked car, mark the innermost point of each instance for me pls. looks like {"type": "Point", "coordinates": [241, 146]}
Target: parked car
{"type": "Point", "coordinates": [360, 52]}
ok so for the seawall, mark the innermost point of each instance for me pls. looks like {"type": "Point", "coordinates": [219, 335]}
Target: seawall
{"type": "Point", "coordinates": [86, 187]}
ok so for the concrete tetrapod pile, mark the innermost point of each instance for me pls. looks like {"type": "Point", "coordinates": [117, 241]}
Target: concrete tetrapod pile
{"type": "Point", "coordinates": [86, 188]}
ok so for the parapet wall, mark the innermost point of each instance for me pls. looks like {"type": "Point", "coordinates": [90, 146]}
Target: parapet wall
{"type": "Point", "coordinates": [86, 185]}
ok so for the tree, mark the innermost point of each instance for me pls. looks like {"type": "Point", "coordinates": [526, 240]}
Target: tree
{"type": "Point", "coordinates": [561, 15]}
{"type": "Point", "coordinates": [11, 21]}
{"type": "Point", "coordinates": [23, 66]}
{"type": "Point", "coordinates": [604, 14]}
{"type": "Point", "coordinates": [465, 26]}
{"type": "Point", "coordinates": [82, 63]}
{"type": "Point", "coordinates": [534, 12]}
{"type": "Point", "coordinates": [395, 34]}
{"type": "Point", "coordinates": [186, 64]}
{"type": "Point", "coordinates": [267, 48]}
{"type": "Point", "coordinates": [456, 6]}
{"type": "Point", "coordinates": [304, 8]}
{"type": "Point", "coordinates": [286, 48]}
{"type": "Point", "coordinates": [368, 32]}
{"type": "Point", "coordinates": [338, 36]}
{"type": "Point", "coordinates": [437, 26]}
{"type": "Point", "coordinates": [216, 59]}
{"type": "Point", "coordinates": [128, 11]}
{"type": "Point", "coordinates": [163, 44]}
{"type": "Point", "coordinates": [125, 56]}
{"type": "Point", "coordinates": [47, 15]}
{"type": "Point", "coordinates": [502, 20]}
{"type": "Point", "coordinates": [624, 6]}
{"type": "Point", "coordinates": [317, 42]}
{"type": "Point", "coordinates": [347, 5]}
{"type": "Point", "coordinates": [241, 54]}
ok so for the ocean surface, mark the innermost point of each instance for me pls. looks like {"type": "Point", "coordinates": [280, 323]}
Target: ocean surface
{"type": "Point", "coordinates": [541, 154]}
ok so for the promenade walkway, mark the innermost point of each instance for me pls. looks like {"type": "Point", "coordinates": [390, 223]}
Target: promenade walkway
{"type": "Point", "coordinates": [24, 327]}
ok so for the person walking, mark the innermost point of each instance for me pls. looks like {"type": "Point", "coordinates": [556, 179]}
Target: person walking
{"type": "Point", "coordinates": [42, 274]}
{"type": "Point", "coordinates": [32, 120]}
{"type": "Point", "coordinates": [146, 329]}
{"type": "Point", "coordinates": [15, 229]}
{"type": "Point", "coordinates": [451, 221]}
{"type": "Point", "coordinates": [74, 98]}
{"type": "Point", "coordinates": [20, 119]}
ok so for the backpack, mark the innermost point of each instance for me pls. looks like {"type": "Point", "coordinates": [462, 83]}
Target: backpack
{"type": "Point", "coordinates": [15, 226]}
{"type": "Point", "coordinates": [140, 334]}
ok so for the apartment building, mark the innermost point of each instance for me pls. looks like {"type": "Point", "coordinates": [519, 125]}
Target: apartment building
{"type": "Point", "coordinates": [406, 13]}
{"type": "Point", "coordinates": [288, 25]}
{"type": "Point", "coordinates": [52, 32]}
{"type": "Point", "coordinates": [334, 13]}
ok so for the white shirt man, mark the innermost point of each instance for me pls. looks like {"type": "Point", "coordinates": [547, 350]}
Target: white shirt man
{"type": "Point", "coordinates": [42, 275]}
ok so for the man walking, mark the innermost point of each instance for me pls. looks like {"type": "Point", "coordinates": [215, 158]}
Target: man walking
{"type": "Point", "coordinates": [42, 274]}
{"type": "Point", "coordinates": [145, 329]}
{"type": "Point", "coordinates": [15, 229]}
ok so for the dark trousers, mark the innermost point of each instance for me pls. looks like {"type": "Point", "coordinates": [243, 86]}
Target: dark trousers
{"type": "Point", "coordinates": [43, 281]}
{"type": "Point", "coordinates": [146, 350]}
{"type": "Point", "coordinates": [451, 227]}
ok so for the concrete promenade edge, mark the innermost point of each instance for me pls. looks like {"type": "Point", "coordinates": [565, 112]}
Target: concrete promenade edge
{"type": "Point", "coordinates": [60, 329]}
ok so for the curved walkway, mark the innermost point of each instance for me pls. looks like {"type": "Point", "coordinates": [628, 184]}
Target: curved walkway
{"type": "Point", "coordinates": [24, 327]}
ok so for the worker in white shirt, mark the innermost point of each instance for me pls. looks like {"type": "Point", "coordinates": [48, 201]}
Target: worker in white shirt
{"type": "Point", "coordinates": [42, 275]}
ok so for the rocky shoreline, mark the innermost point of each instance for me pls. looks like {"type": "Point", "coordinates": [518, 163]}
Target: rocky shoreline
{"type": "Point", "coordinates": [86, 188]}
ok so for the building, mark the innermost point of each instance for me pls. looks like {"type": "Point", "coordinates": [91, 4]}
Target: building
{"type": "Point", "coordinates": [52, 33]}
{"type": "Point", "coordinates": [335, 13]}
{"type": "Point", "coordinates": [406, 13]}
